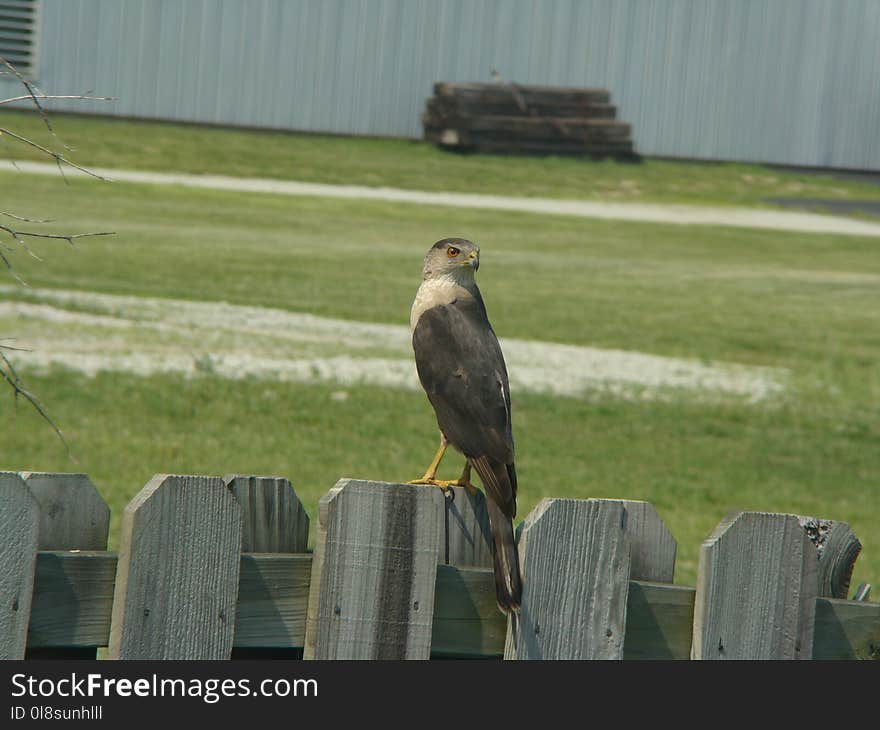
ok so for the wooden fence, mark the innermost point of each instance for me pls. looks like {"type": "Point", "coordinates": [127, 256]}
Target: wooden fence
{"type": "Point", "coordinates": [213, 568]}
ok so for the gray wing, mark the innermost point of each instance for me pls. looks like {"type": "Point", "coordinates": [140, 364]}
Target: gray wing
{"type": "Point", "coordinates": [462, 370]}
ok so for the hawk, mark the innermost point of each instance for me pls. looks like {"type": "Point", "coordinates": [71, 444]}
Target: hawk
{"type": "Point", "coordinates": [462, 370]}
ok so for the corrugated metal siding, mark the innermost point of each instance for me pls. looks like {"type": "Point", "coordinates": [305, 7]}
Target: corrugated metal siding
{"type": "Point", "coordinates": [784, 81]}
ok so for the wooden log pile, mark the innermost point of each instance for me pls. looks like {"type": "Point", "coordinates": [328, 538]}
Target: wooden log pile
{"type": "Point", "coordinates": [511, 118]}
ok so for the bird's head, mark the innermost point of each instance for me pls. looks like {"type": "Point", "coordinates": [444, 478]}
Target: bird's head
{"type": "Point", "coordinates": [452, 257]}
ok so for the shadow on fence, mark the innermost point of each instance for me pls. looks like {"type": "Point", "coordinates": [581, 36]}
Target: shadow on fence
{"type": "Point", "coordinates": [213, 568]}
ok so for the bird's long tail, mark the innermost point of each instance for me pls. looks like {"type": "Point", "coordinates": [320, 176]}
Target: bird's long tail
{"type": "Point", "coordinates": [508, 584]}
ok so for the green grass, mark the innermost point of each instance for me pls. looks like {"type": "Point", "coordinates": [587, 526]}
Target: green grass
{"type": "Point", "coordinates": [108, 142]}
{"type": "Point", "coordinates": [806, 303]}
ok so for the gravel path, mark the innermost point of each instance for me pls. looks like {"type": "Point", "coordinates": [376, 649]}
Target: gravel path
{"type": "Point", "coordinates": [92, 332]}
{"type": "Point", "coordinates": [642, 212]}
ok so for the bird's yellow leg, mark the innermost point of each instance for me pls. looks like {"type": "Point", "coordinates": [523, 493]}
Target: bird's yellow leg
{"type": "Point", "coordinates": [430, 476]}
{"type": "Point", "coordinates": [465, 480]}
{"type": "Point", "coordinates": [431, 472]}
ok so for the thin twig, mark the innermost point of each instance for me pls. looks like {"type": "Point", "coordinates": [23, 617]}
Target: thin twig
{"type": "Point", "coordinates": [70, 238]}
{"type": "Point", "coordinates": [12, 378]}
{"type": "Point", "coordinates": [22, 218]}
{"type": "Point", "coordinates": [32, 94]}
{"type": "Point", "coordinates": [58, 157]}
{"type": "Point", "coordinates": [81, 97]}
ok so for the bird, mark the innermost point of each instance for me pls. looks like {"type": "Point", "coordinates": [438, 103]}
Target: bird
{"type": "Point", "coordinates": [462, 370]}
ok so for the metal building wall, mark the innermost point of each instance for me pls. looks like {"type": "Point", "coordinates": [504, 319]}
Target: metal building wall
{"type": "Point", "coordinates": [785, 81]}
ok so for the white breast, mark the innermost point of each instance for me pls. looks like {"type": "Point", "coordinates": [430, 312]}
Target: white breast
{"type": "Point", "coordinates": [433, 292]}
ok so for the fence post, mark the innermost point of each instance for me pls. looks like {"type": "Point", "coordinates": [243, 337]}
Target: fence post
{"type": "Point", "coordinates": [273, 518]}
{"type": "Point", "coordinates": [466, 538]}
{"type": "Point", "coordinates": [273, 521]}
{"type": "Point", "coordinates": [652, 559]}
{"type": "Point", "coordinates": [459, 624]}
{"type": "Point", "coordinates": [73, 516]}
{"type": "Point", "coordinates": [756, 593]}
{"type": "Point", "coordinates": [653, 547]}
{"type": "Point", "coordinates": [838, 548]}
{"type": "Point", "coordinates": [575, 558]}
{"type": "Point", "coordinates": [19, 526]}
{"type": "Point", "coordinates": [374, 571]}
{"type": "Point", "coordinates": [178, 571]}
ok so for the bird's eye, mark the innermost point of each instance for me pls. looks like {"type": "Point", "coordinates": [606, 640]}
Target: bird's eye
{"type": "Point", "coordinates": [452, 252]}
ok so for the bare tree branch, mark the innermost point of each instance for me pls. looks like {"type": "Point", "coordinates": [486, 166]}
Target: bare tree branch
{"type": "Point", "coordinates": [81, 97]}
{"type": "Point", "coordinates": [7, 371]}
{"type": "Point", "coordinates": [57, 156]}
{"type": "Point", "coordinates": [22, 218]}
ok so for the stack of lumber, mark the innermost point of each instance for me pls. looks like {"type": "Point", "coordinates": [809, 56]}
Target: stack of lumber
{"type": "Point", "coordinates": [510, 118]}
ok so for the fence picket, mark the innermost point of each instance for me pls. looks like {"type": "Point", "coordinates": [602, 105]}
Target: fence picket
{"type": "Point", "coordinates": [273, 521]}
{"type": "Point", "coordinates": [178, 570]}
{"type": "Point", "coordinates": [466, 537]}
{"type": "Point", "coordinates": [372, 594]}
{"type": "Point", "coordinates": [757, 585]}
{"type": "Point", "coordinates": [273, 518]}
{"type": "Point", "coordinates": [404, 572]}
{"type": "Point", "coordinates": [73, 516]}
{"type": "Point", "coordinates": [838, 548]}
{"type": "Point", "coordinates": [575, 558]}
{"type": "Point", "coordinates": [653, 546]}
{"type": "Point", "coordinates": [19, 526]}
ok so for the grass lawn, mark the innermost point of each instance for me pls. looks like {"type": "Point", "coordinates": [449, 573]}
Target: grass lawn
{"type": "Point", "coordinates": [809, 304]}
{"type": "Point", "coordinates": [159, 146]}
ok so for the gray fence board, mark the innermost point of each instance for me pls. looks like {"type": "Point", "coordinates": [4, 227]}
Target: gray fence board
{"type": "Point", "coordinates": [838, 548]}
{"type": "Point", "coordinates": [653, 548]}
{"type": "Point", "coordinates": [19, 528]}
{"type": "Point", "coordinates": [757, 586]}
{"type": "Point", "coordinates": [73, 515]}
{"type": "Point", "coordinates": [273, 518]}
{"type": "Point", "coordinates": [73, 600]}
{"type": "Point", "coordinates": [466, 537]}
{"type": "Point", "coordinates": [575, 559]}
{"type": "Point", "coordinates": [178, 573]}
{"type": "Point", "coordinates": [379, 544]}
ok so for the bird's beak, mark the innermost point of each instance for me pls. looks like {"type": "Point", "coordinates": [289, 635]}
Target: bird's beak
{"type": "Point", "coordinates": [473, 260]}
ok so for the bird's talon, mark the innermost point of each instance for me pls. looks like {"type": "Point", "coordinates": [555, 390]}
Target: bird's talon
{"type": "Point", "coordinates": [471, 489]}
{"type": "Point", "coordinates": [442, 484]}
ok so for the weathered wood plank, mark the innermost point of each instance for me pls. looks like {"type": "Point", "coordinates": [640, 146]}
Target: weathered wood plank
{"type": "Point", "coordinates": [575, 558]}
{"type": "Point", "coordinates": [659, 621]}
{"type": "Point", "coordinates": [73, 515]}
{"type": "Point", "coordinates": [838, 548]}
{"type": "Point", "coordinates": [273, 518]}
{"type": "Point", "coordinates": [178, 572]}
{"type": "Point", "coordinates": [272, 600]}
{"type": "Point", "coordinates": [73, 598]}
{"type": "Point", "coordinates": [756, 590]}
{"type": "Point", "coordinates": [19, 538]}
{"type": "Point", "coordinates": [652, 546]}
{"type": "Point", "coordinates": [846, 630]}
{"type": "Point", "coordinates": [466, 538]}
{"type": "Point", "coordinates": [380, 544]}
{"type": "Point", "coordinates": [444, 108]}
{"type": "Point", "coordinates": [467, 622]}
{"type": "Point", "coordinates": [536, 128]}
{"type": "Point", "coordinates": [528, 93]}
